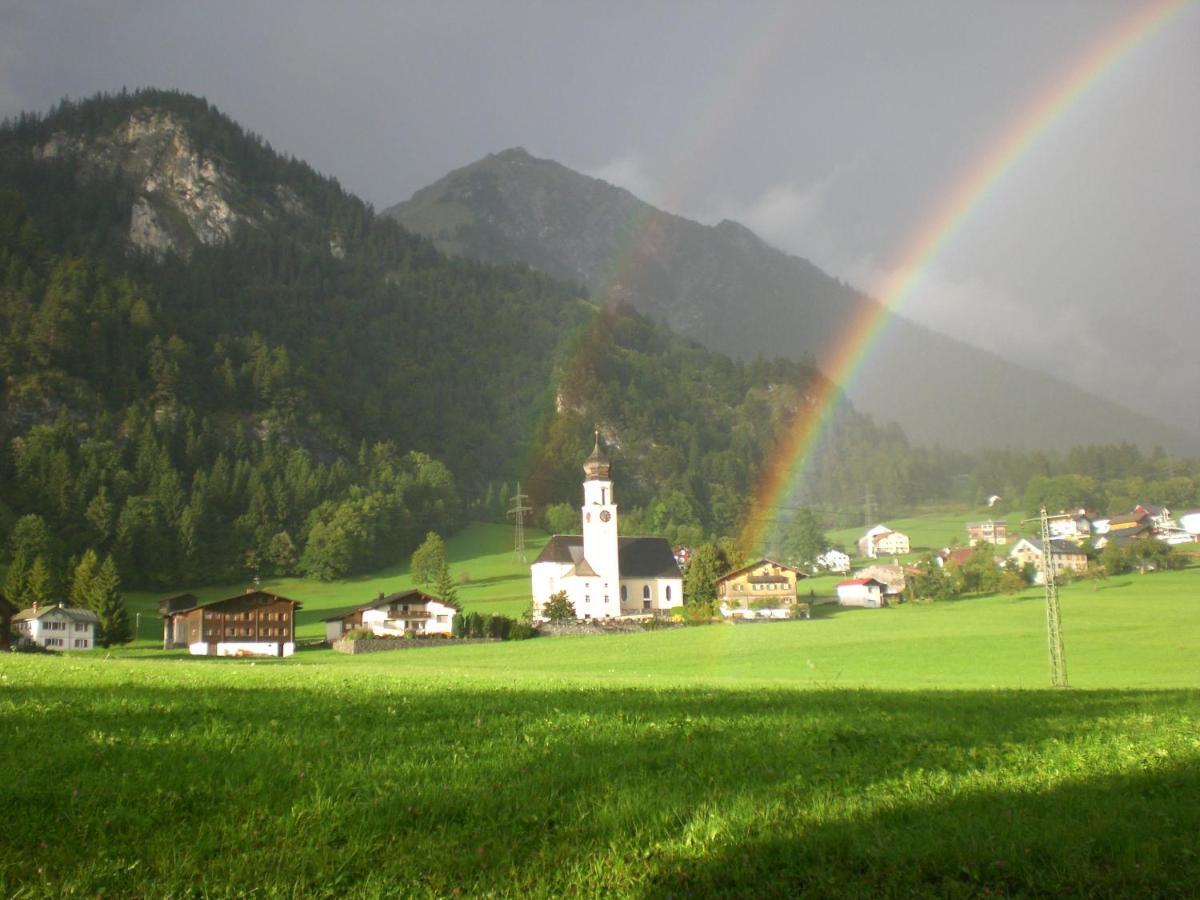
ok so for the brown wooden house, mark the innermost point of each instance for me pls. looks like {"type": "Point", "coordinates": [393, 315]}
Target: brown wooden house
{"type": "Point", "coordinates": [256, 623]}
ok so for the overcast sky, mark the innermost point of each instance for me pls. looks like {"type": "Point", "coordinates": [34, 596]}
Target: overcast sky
{"type": "Point", "coordinates": [833, 129]}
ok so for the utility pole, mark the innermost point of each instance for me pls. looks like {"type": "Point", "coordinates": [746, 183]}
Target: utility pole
{"type": "Point", "coordinates": [518, 513]}
{"type": "Point", "coordinates": [1058, 664]}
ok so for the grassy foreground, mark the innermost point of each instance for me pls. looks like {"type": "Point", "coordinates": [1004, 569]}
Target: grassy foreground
{"type": "Point", "coordinates": [862, 753]}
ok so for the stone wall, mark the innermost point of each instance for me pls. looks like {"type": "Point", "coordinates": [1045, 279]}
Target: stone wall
{"type": "Point", "coordinates": [599, 626]}
{"type": "Point", "coordinates": [375, 645]}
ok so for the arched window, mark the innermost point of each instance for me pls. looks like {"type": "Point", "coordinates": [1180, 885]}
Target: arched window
{"type": "Point", "coordinates": [645, 592]}
{"type": "Point", "coordinates": [624, 593]}
{"type": "Point", "coordinates": [668, 593]}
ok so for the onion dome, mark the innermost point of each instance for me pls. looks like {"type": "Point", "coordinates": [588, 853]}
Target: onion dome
{"type": "Point", "coordinates": [597, 467]}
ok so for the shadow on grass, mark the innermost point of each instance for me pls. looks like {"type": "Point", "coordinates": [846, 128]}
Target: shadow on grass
{"type": "Point", "coordinates": [196, 775]}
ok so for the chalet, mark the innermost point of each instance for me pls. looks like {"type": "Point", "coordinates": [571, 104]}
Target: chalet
{"type": "Point", "coordinates": [1160, 516]}
{"type": "Point", "coordinates": [867, 592]}
{"type": "Point", "coordinates": [603, 575]}
{"type": "Point", "coordinates": [394, 615]}
{"type": "Point", "coordinates": [57, 627]}
{"type": "Point", "coordinates": [989, 532]}
{"type": "Point", "coordinates": [7, 611]}
{"type": "Point", "coordinates": [1067, 557]}
{"type": "Point", "coordinates": [256, 623]}
{"type": "Point", "coordinates": [834, 560]}
{"type": "Point", "coordinates": [1125, 528]}
{"type": "Point", "coordinates": [762, 590]}
{"type": "Point", "coordinates": [882, 541]}
{"type": "Point", "coordinates": [168, 606]}
{"type": "Point", "coordinates": [1077, 527]}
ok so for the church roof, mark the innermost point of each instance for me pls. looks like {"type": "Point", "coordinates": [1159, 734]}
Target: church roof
{"type": "Point", "coordinates": [638, 557]}
{"type": "Point", "coordinates": [597, 465]}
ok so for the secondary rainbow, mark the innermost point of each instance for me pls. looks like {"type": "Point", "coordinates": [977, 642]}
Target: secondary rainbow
{"type": "Point", "coordinates": [969, 193]}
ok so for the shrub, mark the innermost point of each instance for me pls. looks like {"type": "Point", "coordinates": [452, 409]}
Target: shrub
{"type": "Point", "coordinates": [358, 634]}
{"type": "Point", "coordinates": [559, 609]}
{"type": "Point", "coordinates": [521, 631]}
{"type": "Point", "coordinates": [499, 627]}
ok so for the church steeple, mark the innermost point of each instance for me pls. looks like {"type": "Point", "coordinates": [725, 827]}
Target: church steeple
{"type": "Point", "coordinates": [597, 466]}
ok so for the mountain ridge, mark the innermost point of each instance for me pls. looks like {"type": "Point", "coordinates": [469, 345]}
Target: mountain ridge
{"type": "Point", "coordinates": [726, 287]}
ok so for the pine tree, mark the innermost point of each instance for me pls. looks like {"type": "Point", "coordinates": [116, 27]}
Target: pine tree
{"type": "Point", "coordinates": [110, 606]}
{"type": "Point", "coordinates": [83, 581]}
{"type": "Point", "coordinates": [37, 587]}
{"type": "Point", "coordinates": [444, 585]}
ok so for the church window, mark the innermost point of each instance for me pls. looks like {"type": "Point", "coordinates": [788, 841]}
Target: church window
{"type": "Point", "coordinates": [603, 496]}
{"type": "Point", "coordinates": [668, 592]}
{"type": "Point", "coordinates": [645, 592]}
{"type": "Point", "coordinates": [624, 593]}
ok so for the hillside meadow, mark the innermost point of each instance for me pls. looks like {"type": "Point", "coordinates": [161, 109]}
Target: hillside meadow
{"type": "Point", "coordinates": [900, 751]}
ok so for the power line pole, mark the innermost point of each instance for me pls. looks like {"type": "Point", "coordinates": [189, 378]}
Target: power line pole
{"type": "Point", "coordinates": [518, 513]}
{"type": "Point", "coordinates": [1058, 664]}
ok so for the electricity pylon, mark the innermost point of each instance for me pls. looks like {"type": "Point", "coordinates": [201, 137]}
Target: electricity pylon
{"type": "Point", "coordinates": [518, 513]}
{"type": "Point", "coordinates": [1058, 664]}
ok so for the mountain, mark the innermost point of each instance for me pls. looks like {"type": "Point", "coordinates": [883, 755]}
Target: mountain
{"type": "Point", "coordinates": [726, 288]}
{"type": "Point", "coordinates": [217, 361]}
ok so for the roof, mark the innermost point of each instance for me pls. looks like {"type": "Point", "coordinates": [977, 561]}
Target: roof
{"type": "Point", "coordinates": [74, 613]}
{"type": "Point", "coordinates": [400, 597]}
{"type": "Point", "coordinates": [760, 562]}
{"type": "Point", "coordinates": [638, 557]}
{"type": "Point", "coordinates": [1057, 545]}
{"type": "Point", "coordinates": [168, 605]}
{"type": "Point", "coordinates": [196, 605]}
{"type": "Point", "coordinates": [597, 465]}
{"type": "Point", "coordinates": [852, 582]}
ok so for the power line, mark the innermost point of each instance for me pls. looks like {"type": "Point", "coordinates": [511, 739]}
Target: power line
{"type": "Point", "coordinates": [518, 513]}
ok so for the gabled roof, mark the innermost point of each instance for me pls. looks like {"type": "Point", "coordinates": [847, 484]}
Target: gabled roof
{"type": "Point", "coordinates": [1056, 544]}
{"type": "Point", "coordinates": [74, 614]}
{"type": "Point", "coordinates": [638, 557]}
{"type": "Point", "coordinates": [852, 582]}
{"type": "Point", "coordinates": [195, 605]}
{"type": "Point", "coordinates": [760, 562]}
{"type": "Point", "coordinates": [413, 596]}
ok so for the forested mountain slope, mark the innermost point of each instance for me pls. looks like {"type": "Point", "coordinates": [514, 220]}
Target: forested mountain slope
{"type": "Point", "coordinates": [215, 360]}
{"type": "Point", "coordinates": [729, 290]}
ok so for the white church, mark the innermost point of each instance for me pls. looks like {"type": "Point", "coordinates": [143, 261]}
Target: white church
{"type": "Point", "coordinates": [606, 576]}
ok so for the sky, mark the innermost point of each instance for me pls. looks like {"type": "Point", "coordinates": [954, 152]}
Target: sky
{"type": "Point", "coordinates": [833, 129]}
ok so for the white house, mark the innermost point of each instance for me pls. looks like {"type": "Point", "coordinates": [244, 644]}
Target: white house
{"type": "Point", "coordinates": [58, 627]}
{"type": "Point", "coordinates": [1066, 556]}
{"type": "Point", "coordinates": [395, 614]}
{"type": "Point", "coordinates": [882, 541]}
{"type": "Point", "coordinates": [834, 561]}
{"type": "Point", "coordinates": [604, 575]}
{"type": "Point", "coordinates": [867, 592]}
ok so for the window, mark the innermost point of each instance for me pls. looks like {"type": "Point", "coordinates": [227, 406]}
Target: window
{"type": "Point", "coordinates": [645, 592]}
{"type": "Point", "coordinates": [668, 592]}
{"type": "Point", "coordinates": [624, 593]}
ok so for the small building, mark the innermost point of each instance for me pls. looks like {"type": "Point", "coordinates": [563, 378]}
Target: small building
{"type": "Point", "coordinates": [1077, 527]}
{"type": "Point", "coordinates": [865, 592]}
{"type": "Point", "coordinates": [834, 560]}
{"type": "Point", "coordinates": [256, 623]}
{"type": "Point", "coordinates": [989, 532]}
{"type": "Point", "coordinates": [395, 614]}
{"type": "Point", "coordinates": [882, 541]}
{"type": "Point", "coordinates": [57, 627]}
{"type": "Point", "coordinates": [765, 589]}
{"type": "Point", "coordinates": [1125, 528]}
{"type": "Point", "coordinates": [893, 577]}
{"type": "Point", "coordinates": [1160, 516]}
{"type": "Point", "coordinates": [1067, 557]}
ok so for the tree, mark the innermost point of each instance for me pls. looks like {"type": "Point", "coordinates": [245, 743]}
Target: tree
{"type": "Point", "coordinates": [83, 580]}
{"type": "Point", "coordinates": [443, 585]}
{"type": "Point", "coordinates": [708, 563]}
{"type": "Point", "coordinates": [559, 609]}
{"type": "Point", "coordinates": [281, 553]}
{"type": "Point", "coordinates": [110, 606]}
{"type": "Point", "coordinates": [804, 539]}
{"type": "Point", "coordinates": [561, 518]}
{"type": "Point", "coordinates": [429, 559]}
{"type": "Point", "coordinates": [37, 588]}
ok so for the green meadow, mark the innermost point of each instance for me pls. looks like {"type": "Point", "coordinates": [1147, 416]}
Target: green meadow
{"type": "Point", "coordinates": [898, 752]}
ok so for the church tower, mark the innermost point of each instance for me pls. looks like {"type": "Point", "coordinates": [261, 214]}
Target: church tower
{"type": "Point", "coordinates": [600, 530]}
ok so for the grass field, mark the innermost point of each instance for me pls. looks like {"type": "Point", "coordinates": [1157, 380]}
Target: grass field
{"type": "Point", "coordinates": [934, 529]}
{"type": "Point", "coordinates": [907, 751]}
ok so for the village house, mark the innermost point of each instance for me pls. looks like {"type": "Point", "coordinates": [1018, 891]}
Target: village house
{"type": "Point", "coordinates": [606, 576]}
{"type": "Point", "coordinates": [57, 627]}
{"type": "Point", "coordinates": [1067, 557]}
{"type": "Point", "coordinates": [1077, 527]}
{"type": "Point", "coordinates": [882, 541]}
{"type": "Point", "coordinates": [256, 623]}
{"type": "Point", "coordinates": [1160, 516]}
{"type": "Point", "coordinates": [394, 615]}
{"type": "Point", "coordinates": [765, 589]}
{"type": "Point", "coordinates": [1123, 528]}
{"type": "Point", "coordinates": [989, 532]}
{"type": "Point", "coordinates": [893, 577]}
{"type": "Point", "coordinates": [834, 560]}
{"type": "Point", "coordinates": [865, 592]}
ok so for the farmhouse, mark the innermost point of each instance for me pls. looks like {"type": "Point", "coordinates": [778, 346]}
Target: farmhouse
{"type": "Point", "coordinates": [395, 614]}
{"type": "Point", "coordinates": [892, 577]}
{"type": "Point", "coordinates": [256, 623]}
{"type": "Point", "coordinates": [834, 560]}
{"type": "Point", "coordinates": [867, 592]}
{"type": "Point", "coordinates": [882, 541]}
{"type": "Point", "coordinates": [1067, 557]}
{"type": "Point", "coordinates": [989, 532]}
{"type": "Point", "coordinates": [764, 589]}
{"type": "Point", "coordinates": [606, 576]}
{"type": "Point", "coordinates": [57, 627]}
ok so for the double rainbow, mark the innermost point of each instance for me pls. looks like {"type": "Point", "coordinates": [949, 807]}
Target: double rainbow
{"type": "Point", "coordinates": [787, 467]}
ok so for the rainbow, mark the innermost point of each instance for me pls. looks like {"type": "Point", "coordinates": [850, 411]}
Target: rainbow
{"type": "Point", "coordinates": [789, 463]}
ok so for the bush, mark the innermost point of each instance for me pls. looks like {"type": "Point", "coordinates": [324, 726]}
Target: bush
{"type": "Point", "coordinates": [521, 631]}
{"type": "Point", "coordinates": [500, 627]}
{"type": "Point", "coordinates": [359, 634]}
{"type": "Point", "coordinates": [458, 625]}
